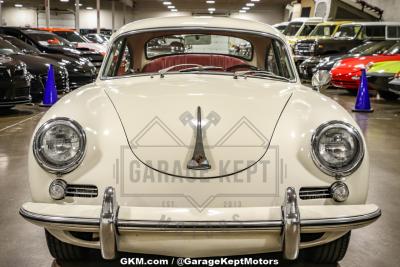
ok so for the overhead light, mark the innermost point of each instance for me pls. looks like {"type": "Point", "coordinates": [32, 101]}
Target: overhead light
{"type": "Point", "coordinates": [18, 5]}
{"type": "Point", "coordinates": [79, 4]}
{"type": "Point", "coordinates": [64, 1]}
{"type": "Point", "coordinates": [246, 8]}
{"type": "Point", "coordinates": [255, 0]}
{"type": "Point", "coordinates": [174, 10]}
{"type": "Point", "coordinates": [211, 9]}
{"type": "Point", "coordinates": [210, 2]}
{"type": "Point", "coordinates": [250, 4]}
{"type": "Point", "coordinates": [167, 3]}
{"type": "Point", "coordinates": [171, 7]}
{"type": "Point", "coordinates": [89, 8]}
{"type": "Point", "coordinates": [242, 11]}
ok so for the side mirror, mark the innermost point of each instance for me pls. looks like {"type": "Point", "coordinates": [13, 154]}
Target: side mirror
{"type": "Point", "coordinates": [321, 80]}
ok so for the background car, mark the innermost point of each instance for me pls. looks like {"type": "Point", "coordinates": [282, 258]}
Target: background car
{"type": "Point", "coordinates": [98, 38]}
{"type": "Point", "coordinates": [281, 26]}
{"type": "Point", "coordinates": [380, 75]}
{"type": "Point", "coordinates": [80, 70]}
{"type": "Point", "coordinates": [313, 64]}
{"type": "Point", "coordinates": [38, 68]}
{"type": "Point", "coordinates": [300, 27]}
{"type": "Point", "coordinates": [346, 73]}
{"type": "Point", "coordinates": [14, 82]}
{"type": "Point", "coordinates": [394, 85]}
{"type": "Point", "coordinates": [51, 43]}
{"type": "Point", "coordinates": [78, 40]}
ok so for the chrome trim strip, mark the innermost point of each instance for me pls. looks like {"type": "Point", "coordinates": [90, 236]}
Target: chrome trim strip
{"type": "Point", "coordinates": [108, 225]}
{"type": "Point", "coordinates": [199, 160]}
{"type": "Point", "coordinates": [305, 223]}
{"type": "Point", "coordinates": [291, 225]}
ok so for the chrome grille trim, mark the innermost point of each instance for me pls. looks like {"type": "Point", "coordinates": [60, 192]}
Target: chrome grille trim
{"type": "Point", "coordinates": [314, 193]}
{"type": "Point", "coordinates": [86, 191]}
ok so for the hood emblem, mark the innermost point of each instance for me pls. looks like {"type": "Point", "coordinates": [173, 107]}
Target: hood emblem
{"type": "Point", "coordinates": [199, 160]}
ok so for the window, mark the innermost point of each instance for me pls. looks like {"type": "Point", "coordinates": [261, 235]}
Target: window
{"type": "Point", "coordinates": [292, 28]}
{"type": "Point", "coordinates": [305, 12]}
{"type": "Point", "coordinates": [119, 64]}
{"type": "Point", "coordinates": [323, 30]}
{"type": "Point", "coordinates": [277, 61]}
{"type": "Point", "coordinates": [375, 31]}
{"type": "Point", "coordinates": [307, 29]}
{"type": "Point", "coordinates": [393, 32]}
{"type": "Point", "coordinates": [347, 31]}
{"type": "Point", "coordinates": [198, 44]}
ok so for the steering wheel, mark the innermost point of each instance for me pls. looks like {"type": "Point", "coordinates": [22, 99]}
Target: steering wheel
{"type": "Point", "coordinates": [250, 67]}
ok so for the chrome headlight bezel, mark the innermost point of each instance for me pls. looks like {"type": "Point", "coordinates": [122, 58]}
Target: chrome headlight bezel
{"type": "Point", "coordinates": [44, 162]}
{"type": "Point", "coordinates": [352, 166]}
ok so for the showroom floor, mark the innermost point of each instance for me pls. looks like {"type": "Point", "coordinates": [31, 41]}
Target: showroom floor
{"type": "Point", "coordinates": [377, 245]}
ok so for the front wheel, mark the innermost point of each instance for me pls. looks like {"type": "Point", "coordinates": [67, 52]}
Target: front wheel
{"type": "Point", "coordinates": [329, 253]}
{"type": "Point", "coordinates": [64, 251]}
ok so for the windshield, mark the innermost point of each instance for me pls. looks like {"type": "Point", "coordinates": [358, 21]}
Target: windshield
{"type": "Point", "coordinates": [197, 44]}
{"type": "Point", "coordinates": [323, 30]}
{"type": "Point", "coordinates": [7, 48]}
{"type": "Point", "coordinates": [292, 28]}
{"type": "Point", "coordinates": [72, 37]}
{"type": "Point", "coordinates": [394, 50]}
{"type": "Point", "coordinates": [307, 29]}
{"type": "Point", "coordinates": [199, 52]}
{"type": "Point", "coordinates": [21, 45]}
{"type": "Point", "coordinates": [347, 31]}
{"type": "Point", "coordinates": [49, 40]}
{"type": "Point", "coordinates": [97, 38]}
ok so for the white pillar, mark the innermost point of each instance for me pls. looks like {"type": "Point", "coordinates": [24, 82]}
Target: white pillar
{"type": "Point", "coordinates": [77, 27]}
{"type": "Point", "coordinates": [98, 15]}
{"type": "Point", "coordinates": [47, 10]}
{"type": "Point", "coordinates": [113, 16]}
{"type": "Point", "coordinates": [1, 16]}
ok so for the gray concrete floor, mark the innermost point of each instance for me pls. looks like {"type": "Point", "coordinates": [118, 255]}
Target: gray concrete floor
{"type": "Point", "coordinates": [23, 244]}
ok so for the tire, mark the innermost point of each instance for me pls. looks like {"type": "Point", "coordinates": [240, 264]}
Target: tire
{"type": "Point", "coordinates": [388, 95]}
{"type": "Point", "coordinates": [64, 251]}
{"type": "Point", "coordinates": [329, 253]}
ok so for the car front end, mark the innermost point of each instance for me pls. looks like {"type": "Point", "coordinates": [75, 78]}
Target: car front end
{"type": "Point", "coordinates": [196, 154]}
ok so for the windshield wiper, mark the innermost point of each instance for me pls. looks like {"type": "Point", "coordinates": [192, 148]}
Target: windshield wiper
{"type": "Point", "coordinates": [261, 73]}
{"type": "Point", "coordinates": [164, 71]}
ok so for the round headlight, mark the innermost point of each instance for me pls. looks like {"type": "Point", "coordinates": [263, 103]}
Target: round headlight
{"type": "Point", "coordinates": [59, 145]}
{"type": "Point", "coordinates": [337, 148]}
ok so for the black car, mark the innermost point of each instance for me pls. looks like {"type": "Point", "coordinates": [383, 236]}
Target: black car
{"type": "Point", "coordinates": [14, 82]}
{"type": "Point", "coordinates": [313, 64]}
{"type": "Point", "coordinates": [80, 70]}
{"type": "Point", "coordinates": [38, 68]}
{"type": "Point", "coordinates": [51, 43]}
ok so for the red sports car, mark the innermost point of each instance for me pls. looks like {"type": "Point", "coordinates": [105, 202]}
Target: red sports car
{"type": "Point", "coordinates": [346, 73]}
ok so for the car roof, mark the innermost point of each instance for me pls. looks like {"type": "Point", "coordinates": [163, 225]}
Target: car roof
{"type": "Point", "coordinates": [198, 22]}
{"type": "Point", "coordinates": [57, 29]}
{"type": "Point", "coordinates": [334, 22]}
{"type": "Point", "coordinates": [375, 23]}
{"type": "Point", "coordinates": [306, 19]}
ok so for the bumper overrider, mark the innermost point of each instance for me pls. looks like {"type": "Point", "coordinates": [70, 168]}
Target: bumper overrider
{"type": "Point", "coordinates": [118, 226]}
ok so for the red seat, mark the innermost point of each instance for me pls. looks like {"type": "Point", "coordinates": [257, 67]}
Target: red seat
{"type": "Point", "coordinates": [201, 59]}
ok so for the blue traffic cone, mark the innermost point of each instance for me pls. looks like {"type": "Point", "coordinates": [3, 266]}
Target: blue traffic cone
{"type": "Point", "coordinates": [362, 102]}
{"type": "Point", "coordinates": [50, 90]}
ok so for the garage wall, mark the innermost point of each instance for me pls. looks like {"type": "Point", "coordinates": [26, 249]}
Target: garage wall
{"type": "Point", "coordinates": [391, 8]}
{"type": "Point", "coordinates": [29, 18]}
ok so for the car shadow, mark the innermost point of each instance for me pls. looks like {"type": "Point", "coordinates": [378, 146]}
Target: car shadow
{"type": "Point", "coordinates": [94, 260]}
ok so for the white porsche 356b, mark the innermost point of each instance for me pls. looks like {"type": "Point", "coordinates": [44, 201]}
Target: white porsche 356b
{"type": "Point", "coordinates": [197, 139]}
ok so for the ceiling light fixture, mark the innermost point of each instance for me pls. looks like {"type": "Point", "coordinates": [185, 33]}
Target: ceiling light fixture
{"type": "Point", "coordinates": [246, 8]}
{"type": "Point", "coordinates": [167, 3]}
{"type": "Point", "coordinates": [250, 4]}
{"type": "Point", "coordinates": [174, 10]}
{"type": "Point", "coordinates": [242, 11]}
{"type": "Point", "coordinates": [18, 5]}
{"type": "Point", "coordinates": [89, 8]}
{"type": "Point", "coordinates": [211, 9]}
{"type": "Point", "coordinates": [210, 2]}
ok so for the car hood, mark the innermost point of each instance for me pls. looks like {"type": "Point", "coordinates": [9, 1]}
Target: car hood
{"type": "Point", "coordinates": [159, 115]}
{"type": "Point", "coordinates": [92, 46]}
{"type": "Point", "coordinates": [361, 62]}
{"type": "Point", "coordinates": [35, 64]}
{"type": "Point", "coordinates": [74, 66]}
{"type": "Point", "coordinates": [385, 67]}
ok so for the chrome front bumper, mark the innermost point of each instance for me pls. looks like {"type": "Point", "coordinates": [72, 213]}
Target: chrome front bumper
{"type": "Point", "coordinates": [115, 220]}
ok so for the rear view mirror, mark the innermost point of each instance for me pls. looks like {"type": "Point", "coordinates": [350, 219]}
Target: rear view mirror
{"type": "Point", "coordinates": [321, 80]}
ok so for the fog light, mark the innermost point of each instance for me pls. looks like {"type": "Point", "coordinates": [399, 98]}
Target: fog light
{"type": "Point", "coordinates": [57, 189]}
{"type": "Point", "coordinates": [339, 191]}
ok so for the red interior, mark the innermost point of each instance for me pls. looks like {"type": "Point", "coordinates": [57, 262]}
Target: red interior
{"type": "Point", "coordinates": [201, 59]}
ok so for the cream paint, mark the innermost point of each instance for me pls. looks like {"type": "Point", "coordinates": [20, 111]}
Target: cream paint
{"type": "Point", "coordinates": [108, 159]}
